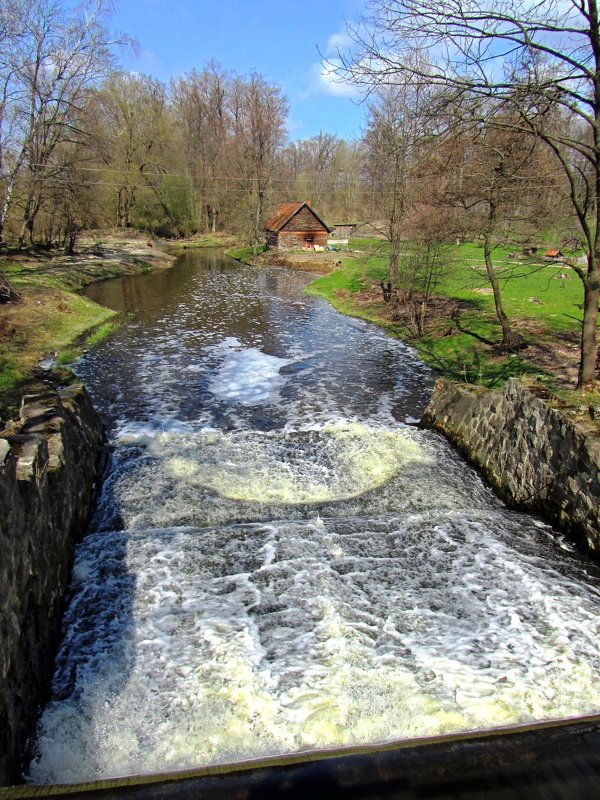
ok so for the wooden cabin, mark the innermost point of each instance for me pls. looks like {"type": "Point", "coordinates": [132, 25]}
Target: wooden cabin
{"type": "Point", "coordinates": [296, 226]}
{"type": "Point", "coordinates": [343, 230]}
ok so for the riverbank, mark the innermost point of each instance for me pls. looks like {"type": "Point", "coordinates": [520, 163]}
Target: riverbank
{"type": "Point", "coordinates": [461, 332]}
{"type": "Point", "coordinates": [51, 314]}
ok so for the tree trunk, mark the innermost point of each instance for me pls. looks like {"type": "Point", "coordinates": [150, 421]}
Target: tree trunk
{"type": "Point", "coordinates": [510, 339]}
{"type": "Point", "coordinates": [30, 212]}
{"type": "Point", "coordinates": [6, 206]}
{"type": "Point", "coordinates": [123, 210]}
{"type": "Point", "coordinates": [394, 258]}
{"type": "Point", "coordinates": [26, 231]}
{"type": "Point", "coordinates": [591, 297]}
{"type": "Point", "coordinates": [257, 216]}
{"type": "Point", "coordinates": [7, 293]}
{"type": "Point", "coordinates": [422, 314]}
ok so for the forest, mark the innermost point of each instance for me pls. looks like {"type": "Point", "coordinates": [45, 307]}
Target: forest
{"type": "Point", "coordinates": [83, 145]}
{"type": "Point", "coordinates": [453, 149]}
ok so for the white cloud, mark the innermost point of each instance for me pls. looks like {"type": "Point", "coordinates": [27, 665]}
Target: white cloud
{"type": "Point", "coordinates": [148, 63]}
{"type": "Point", "coordinates": [338, 42]}
{"type": "Point", "coordinates": [325, 80]}
{"type": "Point", "coordinates": [295, 127]}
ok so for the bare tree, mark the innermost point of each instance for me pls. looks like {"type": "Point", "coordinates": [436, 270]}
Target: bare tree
{"type": "Point", "coordinates": [425, 261]}
{"type": "Point", "coordinates": [313, 163]}
{"type": "Point", "coordinates": [200, 103]}
{"type": "Point", "coordinates": [501, 178]}
{"type": "Point", "coordinates": [532, 57]}
{"type": "Point", "coordinates": [10, 36]}
{"type": "Point", "coordinates": [326, 170]}
{"type": "Point", "coordinates": [259, 111]}
{"type": "Point", "coordinates": [56, 56]}
{"type": "Point", "coordinates": [394, 149]}
{"type": "Point", "coordinates": [137, 131]}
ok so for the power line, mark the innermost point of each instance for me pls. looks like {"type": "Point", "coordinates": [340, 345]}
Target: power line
{"type": "Point", "coordinates": [185, 181]}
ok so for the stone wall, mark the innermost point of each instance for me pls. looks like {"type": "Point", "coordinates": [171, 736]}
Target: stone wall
{"type": "Point", "coordinates": [534, 458]}
{"type": "Point", "coordinates": [47, 474]}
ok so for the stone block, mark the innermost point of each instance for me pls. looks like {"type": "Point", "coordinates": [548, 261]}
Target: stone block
{"type": "Point", "coordinates": [534, 458]}
{"type": "Point", "coordinates": [47, 478]}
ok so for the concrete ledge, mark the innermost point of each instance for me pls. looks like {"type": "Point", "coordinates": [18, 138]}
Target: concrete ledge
{"type": "Point", "coordinates": [535, 459]}
{"type": "Point", "coordinates": [47, 475]}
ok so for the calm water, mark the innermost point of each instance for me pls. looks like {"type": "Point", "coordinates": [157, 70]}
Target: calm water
{"type": "Point", "coordinates": [278, 561]}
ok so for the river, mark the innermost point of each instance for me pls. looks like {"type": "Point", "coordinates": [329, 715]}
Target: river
{"type": "Point", "coordinates": [279, 560]}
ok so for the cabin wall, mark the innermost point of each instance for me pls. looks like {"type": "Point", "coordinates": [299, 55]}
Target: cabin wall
{"type": "Point", "coordinates": [302, 226]}
{"type": "Point", "coordinates": [295, 240]}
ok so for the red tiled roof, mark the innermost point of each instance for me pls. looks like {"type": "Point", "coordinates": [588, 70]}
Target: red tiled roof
{"type": "Point", "coordinates": [284, 213]}
{"type": "Point", "coordinates": [552, 253]}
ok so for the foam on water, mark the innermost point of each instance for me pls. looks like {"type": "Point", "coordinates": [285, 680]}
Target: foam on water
{"type": "Point", "coordinates": [277, 563]}
{"type": "Point", "coordinates": [248, 640]}
{"type": "Point", "coordinates": [215, 477]}
{"type": "Point", "coordinates": [247, 376]}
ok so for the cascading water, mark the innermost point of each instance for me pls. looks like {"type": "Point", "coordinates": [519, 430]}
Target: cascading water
{"type": "Point", "coordinates": [279, 562]}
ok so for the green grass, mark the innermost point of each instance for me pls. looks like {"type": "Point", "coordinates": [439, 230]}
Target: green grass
{"type": "Point", "coordinates": [71, 354]}
{"type": "Point", "coordinates": [9, 374]}
{"type": "Point", "coordinates": [53, 319]}
{"type": "Point", "coordinates": [200, 241]}
{"type": "Point", "coordinates": [49, 319]}
{"type": "Point", "coordinates": [530, 287]}
{"type": "Point", "coordinates": [538, 302]}
{"type": "Point", "coordinates": [243, 253]}
{"type": "Point", "coordinates": [101, 333]}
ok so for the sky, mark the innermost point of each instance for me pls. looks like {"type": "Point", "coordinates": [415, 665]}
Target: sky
{"type": "Point", "coordinates": [279, 40]}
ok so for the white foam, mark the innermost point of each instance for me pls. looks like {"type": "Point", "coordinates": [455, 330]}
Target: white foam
{"type": "Point", "coordinates": [247, 376]}
{"type": "Point", "coordinates": [257, 639]}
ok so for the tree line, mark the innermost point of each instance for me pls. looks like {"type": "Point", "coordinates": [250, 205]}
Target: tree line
{"type": "Point", "coordinates": [85, 145]}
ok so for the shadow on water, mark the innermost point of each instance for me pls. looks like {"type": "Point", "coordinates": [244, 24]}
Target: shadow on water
{"type": "Point", "coordinates": [97, 652]}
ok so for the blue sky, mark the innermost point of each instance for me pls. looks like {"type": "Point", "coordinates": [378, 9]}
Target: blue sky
{"type": "Point", "coordinates": [280, 40]}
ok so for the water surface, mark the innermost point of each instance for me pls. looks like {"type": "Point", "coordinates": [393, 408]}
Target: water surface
{"type": "Point", "coordinates": [278, 561]}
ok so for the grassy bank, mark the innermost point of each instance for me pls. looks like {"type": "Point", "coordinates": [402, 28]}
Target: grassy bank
{"type": "Point", "coordinates": [52, 320]}
{"type": "Point", "coordinates": [243, 254]}
{"type": "Point", "coordinates": [543, 300]}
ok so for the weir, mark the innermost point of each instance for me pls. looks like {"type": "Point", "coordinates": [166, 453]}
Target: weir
{"type": "Point", "coordinates": [280, 561]}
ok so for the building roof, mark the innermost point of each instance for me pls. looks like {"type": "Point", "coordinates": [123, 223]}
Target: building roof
{"type": "Point", "coordinates": [552, 253]}
{"type": "Point", "coordinates": [284, 214]}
